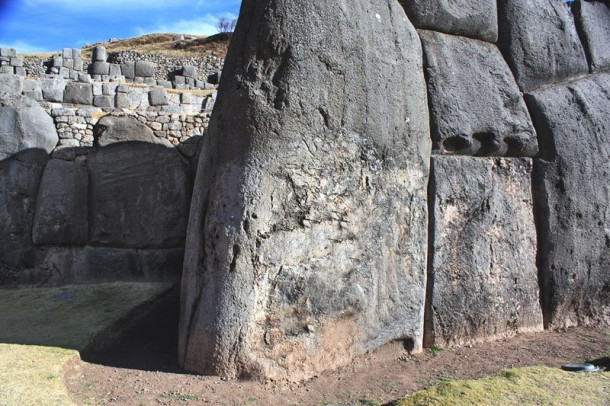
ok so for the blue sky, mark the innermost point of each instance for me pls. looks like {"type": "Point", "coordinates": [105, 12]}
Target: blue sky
{"type": "Point", "coordinates": [49, 25]}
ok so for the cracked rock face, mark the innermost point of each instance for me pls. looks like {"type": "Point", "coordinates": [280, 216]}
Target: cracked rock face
{"type": "Point", "coordinates": [307, 236]}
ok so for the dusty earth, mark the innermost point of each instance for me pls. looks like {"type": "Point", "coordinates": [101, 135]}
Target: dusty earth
{"type": "Point", "coordinates": [140, 368]}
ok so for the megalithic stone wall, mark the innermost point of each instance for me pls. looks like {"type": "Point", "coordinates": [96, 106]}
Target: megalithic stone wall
{"type": "Point", "coordinates": [307, 234]}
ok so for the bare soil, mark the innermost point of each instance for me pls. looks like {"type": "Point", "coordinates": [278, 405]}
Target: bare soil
{"type": "Point", "coordinates": [140, 369]}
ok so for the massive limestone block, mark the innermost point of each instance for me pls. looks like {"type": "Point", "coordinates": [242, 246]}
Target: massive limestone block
{"type": "Point", "coordinates": [19, 181]}
{"type": "Point", "coordinates": [470, 18]}
{"type": "Point", "coordinates": [111, 129]}
{"type": "Point", "coordinates": [10, 83]}
{"type": "Point", "coordinates": [24, 125]}
{"type": "Point", "coordinates": [307, 237]}
{"type": "Point", "coordinates": [78, 93]}
{"type": "Point", "coordinates": [572, 192]}
{"type": "Point", "coordinates": [476, 107]}
{"type": "Point", "coordinates": [593, 21]}
{"type": "Point", "coordinates": [482, 276]}
{"type": "Point", "coordinates": [539, 40]}
{"type": "Point", "coordinates": [139, 196]}
{"type": "Point", "coordinates": [61, 209]}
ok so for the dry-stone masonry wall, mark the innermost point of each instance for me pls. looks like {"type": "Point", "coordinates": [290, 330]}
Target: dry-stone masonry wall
{"type": "Point", "coordinates": [305, 245]}
{"type": "Point", "coordinates": [96, 176]}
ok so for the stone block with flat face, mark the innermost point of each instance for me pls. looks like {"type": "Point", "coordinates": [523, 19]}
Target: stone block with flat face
{"type": "Point", "coordinates": [144, 69]}
{"type": "Point", "coordinates": [539, 41]}
{"type": "Point", "coordinates": [482, 275]}
{"type": "Point", "coordinates": [572, 191]}
{"type": "Point", "coordinates": [468, 18]}
{"type": "Point", "coordinates": [476, 107]}
{"type": "Point", "coordinates": [61, 208]}
{"type": "Point", "coordinates": [78, 93]}
{"type": "Point", "coordinates": [139, 196]}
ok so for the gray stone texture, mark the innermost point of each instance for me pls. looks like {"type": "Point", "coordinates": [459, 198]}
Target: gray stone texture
{"type": "Point", "coordinates": [99, 68]}
{"type": "Point", "coordinates": [593, 22]}
{"type": "Point", "coordinates": [99, 54]}
{"type": "Point", "coordinates": [307, 237]}
{"type": "Point", "coordinates": [189, 71]}
{"type": "Point", "coordinates": [161, 264]}
{"type": "Point", "coordinates": [482, 276]}
{"type": "Point", "coordinates": [110, 130]}
{"type": "Point", "coordinates": [476, 107]}
{"type": "Point", "coordinates": [24, 125]}
{"type": "Point", "coordinates": [469, 18]}
{"type": "Point", "coordinates": [19, 181]}
{"type": "Point", "coordinates": [539, 40]}
{"type": "Point", "coordinates": [11, 83]}
{"type": "Point", "coordinates": [128, 69]}
{"type": "Point", "coordinates": [573, 200]}
{"type": "Point", "coordinates": [158, 97]}
{"type": "Point", "coordinates": [103, 101]}
{"type": "Point", "coordinates": [138, 197]}
{"type": "Point", "coordinates": [144, 69]}
{"type": "Point", "coordinates": [61, 208]}
{"type": "Point", "coordinates": [101, 264]}
{"type": "Point", "coordinates": [78, 93]}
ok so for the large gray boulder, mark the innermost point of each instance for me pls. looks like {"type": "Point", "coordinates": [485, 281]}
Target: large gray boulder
{"type": "Point", "coordinates": [539, 40]}
{"type": "Point", "coordinates": [110, 129]}
{"type": "Point", "coordinates": [482, 276]}
{"type": "Point", "coordinates": [573, 200]}
{"type": "Point", "coordinates": [476, 107]}
{"type": "Point", "coordinates": [469, 18]}
{"type": "Point", "coordinates": [593, 21]}
{"type": "Point", "coordinates": [61, 209]}
{"type": "Point", "coordinates": [24, 125]}
{"type": "Point", "coordinates": [307, 236]}
{"type": "Point", "coordinates": [19, 181]}
{"type": "Point", "coordinates": [139, 196]}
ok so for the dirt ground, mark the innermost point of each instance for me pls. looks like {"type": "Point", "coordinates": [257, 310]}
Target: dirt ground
{"type": "Point", "coordinates": [140, 369]}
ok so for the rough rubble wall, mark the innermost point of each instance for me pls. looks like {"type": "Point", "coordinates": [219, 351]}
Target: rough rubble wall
{"type": "Point", "coordinates": [288, 270]}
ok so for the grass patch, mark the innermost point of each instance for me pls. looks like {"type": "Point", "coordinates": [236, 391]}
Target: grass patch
{"type": "Point", "coordinates": [70, 316]}
{"type": "Point", "coordinates": [524, 386]}
{"type": "Point", "coordinates": [31, 375]}
{"type": "Point", "coordinates": [436, 349]}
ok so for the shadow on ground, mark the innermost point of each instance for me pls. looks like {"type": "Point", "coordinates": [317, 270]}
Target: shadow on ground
{"type": "Point", "coordinates": [148, 342]}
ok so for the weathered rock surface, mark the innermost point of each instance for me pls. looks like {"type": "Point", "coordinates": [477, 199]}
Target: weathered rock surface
{"type": "Point", "coordinates": [110, 130]}
{"type": "Point", "coordinates": [593, 21]}
{"type": "Point", "coordinates": [161, 264]}
{"type": "Point", "coordinates": [475, 105]}
{"type": "Point", "coordinates": [307, 236]}
{"type": "Point", "coordinates": [19, 181]}
{"type": "Point", "coordinates": [139, 195]}
{"type": "Point", "coordinates": [11, 84]}
{"type": "Point", "coordinates": [61, 209]}
{"type": "Point", "coordinates": [572, 192]}
{"type": "Point", "coordinates": [469, 18]}
{"type": "Point", "coordinates": [539, 40]}
{"type": "Point", "coordinates": [24, 125]}
{"type": "Point", "coordinates": [482, 276]}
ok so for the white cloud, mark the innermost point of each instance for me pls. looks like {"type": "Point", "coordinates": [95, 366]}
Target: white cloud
{"type": "Point", "coordinates": [23, 47]}
{"type": "Point", "coordinates": [79, 5]}
{"type": "Point", "coordinates": [205, 25]}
